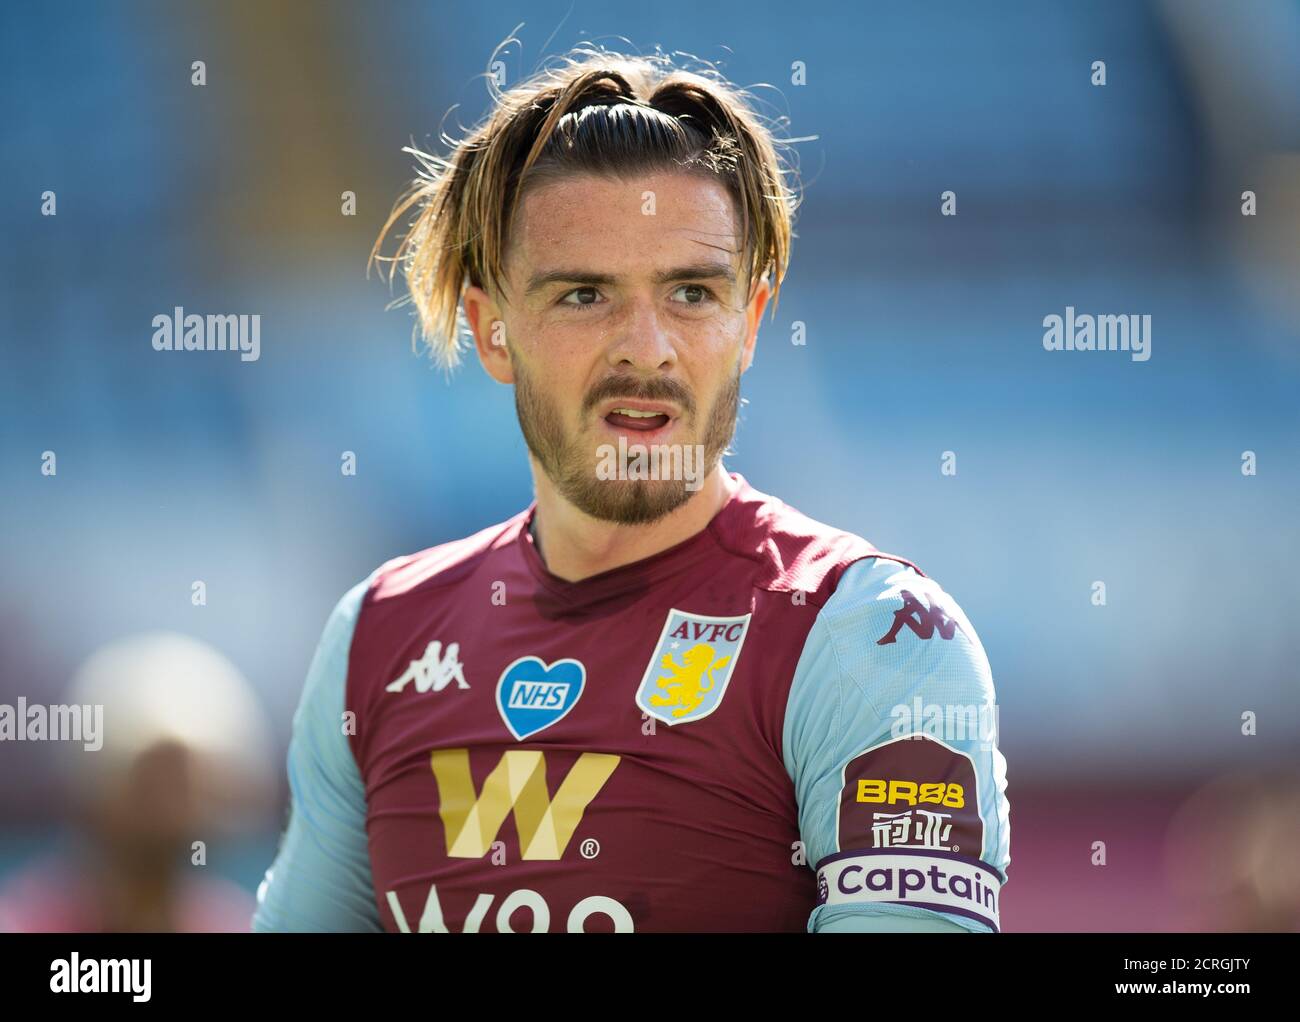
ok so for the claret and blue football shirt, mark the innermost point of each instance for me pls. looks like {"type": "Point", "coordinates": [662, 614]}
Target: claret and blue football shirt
{"type": "Point", "coordinates": [767, 727]}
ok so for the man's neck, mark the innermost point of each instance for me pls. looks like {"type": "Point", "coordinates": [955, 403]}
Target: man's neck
{"type": "Point", "coordinates": [574, 546]}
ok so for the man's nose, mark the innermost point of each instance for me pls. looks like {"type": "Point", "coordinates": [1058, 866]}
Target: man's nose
{"type": "Point", "coordinates": [642, 341]}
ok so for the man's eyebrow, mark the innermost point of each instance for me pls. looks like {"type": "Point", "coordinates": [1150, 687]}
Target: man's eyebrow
{"type": "Point", "coordinates": [698, 271]}
{"type": "Point", "coordinates": [540, 280]}
{"type": "Point", "coordinates": [584, 278]}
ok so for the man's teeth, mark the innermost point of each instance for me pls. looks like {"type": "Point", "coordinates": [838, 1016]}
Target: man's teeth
{"type": "Point", "coordinates": [635, 414]}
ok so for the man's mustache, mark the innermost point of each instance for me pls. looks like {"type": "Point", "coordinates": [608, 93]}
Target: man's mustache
{"type": "Point", "coordinates": [640, 390]}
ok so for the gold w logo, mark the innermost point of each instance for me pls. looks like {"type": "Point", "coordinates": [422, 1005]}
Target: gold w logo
{"type": "Point", "coordinates": [518, 782]}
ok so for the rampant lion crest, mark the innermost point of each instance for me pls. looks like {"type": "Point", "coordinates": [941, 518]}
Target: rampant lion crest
{"type": "Point", "coordinates": [691, 666]}
{"type": "Point", "coordinates": [682, 682]}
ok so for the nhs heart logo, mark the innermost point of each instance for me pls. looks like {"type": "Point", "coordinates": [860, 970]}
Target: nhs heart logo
{"type": "Point", "coordinates": [532, 696]}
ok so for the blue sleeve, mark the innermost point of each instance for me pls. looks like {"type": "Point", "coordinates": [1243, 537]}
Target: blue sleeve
{"type": "Point", "coordinates": [890, 740]}
{"type": "Point", "coordinates": [320, 880]}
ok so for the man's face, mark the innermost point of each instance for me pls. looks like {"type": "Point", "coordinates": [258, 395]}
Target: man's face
{"type": "Point", "coordinates": [626, 317]}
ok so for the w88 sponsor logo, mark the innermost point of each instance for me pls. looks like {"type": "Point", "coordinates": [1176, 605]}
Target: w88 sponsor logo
{"type": "Point", "coordinates": [536, 917]}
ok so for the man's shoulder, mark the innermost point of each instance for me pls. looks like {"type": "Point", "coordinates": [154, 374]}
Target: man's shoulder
{"type": "Point", "coordinates": [442, 565]}
{"type": "Point", "coordinates": [796, 552]}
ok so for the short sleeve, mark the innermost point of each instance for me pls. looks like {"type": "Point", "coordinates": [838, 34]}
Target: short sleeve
{"type": "Point", "coordinates": [890, 738]}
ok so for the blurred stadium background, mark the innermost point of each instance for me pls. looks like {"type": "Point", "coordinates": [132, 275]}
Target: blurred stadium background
{"type": "Point", "coordinates": [1120, 724]}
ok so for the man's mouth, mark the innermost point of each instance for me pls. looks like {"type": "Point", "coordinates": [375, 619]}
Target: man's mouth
{"type": "Point", "coordinates": [633, 415]}
{"type": "Point", "coordinates": [635, 419]}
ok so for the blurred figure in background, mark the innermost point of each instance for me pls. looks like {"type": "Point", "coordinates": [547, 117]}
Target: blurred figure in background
{"type": "Point", "coordinates": [1231, 852]}
{"type": "Point", "coordinates": [184, 762]}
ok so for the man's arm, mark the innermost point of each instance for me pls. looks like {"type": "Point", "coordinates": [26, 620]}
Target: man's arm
{"type": "Point", "coordinates": [320, 880]}
{"type": "Point", "coordinates": [874, 922]}
{"type": "Point", "coordinates": [906, 833]}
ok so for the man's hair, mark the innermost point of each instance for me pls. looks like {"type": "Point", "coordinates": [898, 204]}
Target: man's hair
{"type": "Point", "coordinates": [599, 112]}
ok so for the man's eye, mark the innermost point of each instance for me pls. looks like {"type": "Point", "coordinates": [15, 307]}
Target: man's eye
{"type": "Point", "coordinates": [696, 294]}
{"type": "Point", "coordinates": [588, 297]}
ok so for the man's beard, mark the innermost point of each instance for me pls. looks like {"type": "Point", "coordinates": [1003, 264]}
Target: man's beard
{"type": "Point", "coordinates": [571, 466]}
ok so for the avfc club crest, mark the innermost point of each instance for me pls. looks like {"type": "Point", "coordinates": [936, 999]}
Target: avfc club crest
{"type": "Point", "coordinates": [691, 665]}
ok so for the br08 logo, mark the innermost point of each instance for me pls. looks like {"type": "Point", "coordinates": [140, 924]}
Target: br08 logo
{"type": "Point", "coordinates": [911, 793]}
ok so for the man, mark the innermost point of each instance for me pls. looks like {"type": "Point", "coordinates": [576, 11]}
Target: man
{"type": "Point", "coordinates": [656, 699]}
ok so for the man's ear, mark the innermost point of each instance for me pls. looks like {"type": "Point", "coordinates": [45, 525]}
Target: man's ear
{"type": "Point", "coordinates": [753, 316]}
{"type": "Point", "coordinates": [489, 329]}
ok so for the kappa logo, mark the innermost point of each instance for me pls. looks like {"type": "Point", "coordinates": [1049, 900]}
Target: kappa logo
{"type": "Point", "coordinates": [434, 670]}
{"type": "Point", "coordinates": [691, 665]}
{"type": "Point", "coordinates": [921, 619]}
